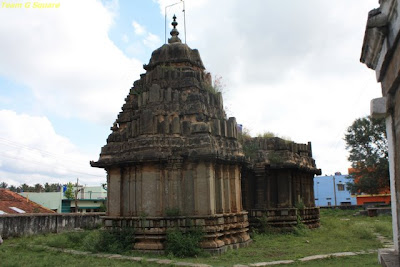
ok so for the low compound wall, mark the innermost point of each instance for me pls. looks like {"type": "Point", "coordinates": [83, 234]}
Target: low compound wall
{"type": "Point", "coordinates": [14, 225]}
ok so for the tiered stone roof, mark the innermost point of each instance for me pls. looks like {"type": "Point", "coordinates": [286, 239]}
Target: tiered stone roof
{"type": "Point", "coordinates": [172, 111]}
{"type": "Point", "coordinates": [277, 153]}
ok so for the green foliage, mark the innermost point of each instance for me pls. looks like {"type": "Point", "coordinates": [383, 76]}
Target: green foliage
{"type": "Point", "coordinates": [250, 149]}
{"type": "Point", "coordinates": [115, 240]}
{"type": "Point", "coordinates": [218, 87]}
{"type": "Point", "coordinates": [266, 135]}
{"type": "Point", "coordinates": [25, 255]}
{"type": "Point", "coordinates": [264, 228]}
{"type": "Point", "coordinates": [274, 157]}
{"type": "Point", "coordinates": [367, 144]}
{"type": "Point", "coordinates": [338, 233]}
{"type": "Point", "coordinates": [183, 244]}
{"type": "Point", "coordinates": [300, 205]}
{"type": "Point", "coordinates": [167, 67]}
{"type": "Point", "coordinates": [244, 135]}
{"type": "Point", "coordinates": [103, 207]}
{"type": "Point", "coordinates": [172, 212]}
{"type": "Point", "coordinates": [39, 188]}
{"type": "Point", "coordinates": [69, 193]}
{"type": "Point", "coordinates": [36, 188]}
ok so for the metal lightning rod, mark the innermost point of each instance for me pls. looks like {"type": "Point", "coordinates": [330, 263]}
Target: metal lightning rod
{"type": "Point", "coordinates": [165, 19]}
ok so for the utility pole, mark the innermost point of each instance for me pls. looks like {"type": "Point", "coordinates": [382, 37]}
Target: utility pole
{"type": "Point", "coordinates": [334, 189]}
{"type": "Point", "coordinates": [76, 194]}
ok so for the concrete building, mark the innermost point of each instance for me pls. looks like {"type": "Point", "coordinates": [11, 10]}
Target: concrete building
{"type": "Point", "coordinates": [331, 191]}
{"type": "Point", "coordinates": [90, 199]}
{"type": "Point", "coordinates": [381, 52]}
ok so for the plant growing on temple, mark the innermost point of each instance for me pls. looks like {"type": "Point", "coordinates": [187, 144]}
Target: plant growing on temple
{"type": "Point", "coordinates": [172, 212]}
{"type": "Point", "coordinates": [184, 244]}
{"type": "Point", "coordinates": [217, 87]}
{"type": "Point", "coordinates": [367, 144]}
{"type": "Point", "coordinates": [250, 148]}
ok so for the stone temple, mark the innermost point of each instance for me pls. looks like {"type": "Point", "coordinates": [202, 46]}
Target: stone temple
{"type": "Point", "coordinates": [173, 160]}
{"type": "Point", "coordinates": [277, 183]}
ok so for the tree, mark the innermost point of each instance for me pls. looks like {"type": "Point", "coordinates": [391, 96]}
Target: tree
{"type": "Point", "coordinates": [367, 143]}
{"type": "Point", "coordinates": [38, 188]}
{"type": "Point", "coordinates": [47, 187]}
{"type": "Point", "coordinates": [69, 193]}
{"type": "Point", "coordinates": [3, 185]}
{"type": "Point", "coordinates": [25, 188]}
{"type": "Point", "coordinates": [12, 188]}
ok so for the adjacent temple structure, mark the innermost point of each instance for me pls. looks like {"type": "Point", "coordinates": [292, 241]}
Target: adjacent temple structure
{"type": "Point", "coordinates": [173, 159]}
{"type": "Point", "coordinates": [277, 183]}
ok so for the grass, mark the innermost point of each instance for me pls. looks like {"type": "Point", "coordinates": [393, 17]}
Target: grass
{"type": "Point", "coordinates": [354, 261]}
{"type": "Point", "coordinates": [22, 255]}
{"type": "Point", "coordinates": [339, 232]}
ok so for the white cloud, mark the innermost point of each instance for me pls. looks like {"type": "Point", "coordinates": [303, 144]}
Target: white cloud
{"type": "Point", "coordinates": [149, 40]}
{"type": "Point", "coordinates": [290, 67]}
{"type": "Point", "coordinates": [32, 152]}
{"type": "Point", "coordinates": [67, 60]}
{"type": "Point", "coordinates": [152, 41]}
{"type": "Point", "coordinates": [139, 29]}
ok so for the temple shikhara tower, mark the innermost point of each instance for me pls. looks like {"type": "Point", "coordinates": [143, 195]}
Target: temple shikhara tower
{"type": "Point", "coordinates": [173, 158]}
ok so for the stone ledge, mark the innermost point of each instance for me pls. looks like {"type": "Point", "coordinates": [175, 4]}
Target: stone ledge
{"type": "Point", "coordinates": [388, 258]}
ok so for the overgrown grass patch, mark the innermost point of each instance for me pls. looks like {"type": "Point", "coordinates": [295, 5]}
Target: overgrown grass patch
{"type": "Point", "coordinates": [340, 231]}
{"type": "Point", "coordinates": [110, 241]}
{"type": "Point", "coordinates": [183, 244]}
{"type": "Point", "coordinates": [23, 255]}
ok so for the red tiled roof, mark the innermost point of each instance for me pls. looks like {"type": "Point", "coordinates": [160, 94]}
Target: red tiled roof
{"type": "Point", "coordinates": [10, 199]}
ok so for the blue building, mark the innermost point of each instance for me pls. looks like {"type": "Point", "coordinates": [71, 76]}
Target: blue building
{"type": "Point", "coordinates": [332, 191]}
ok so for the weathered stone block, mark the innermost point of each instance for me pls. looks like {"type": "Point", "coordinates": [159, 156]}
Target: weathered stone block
{"type": "Point", "coordinates": [154, 94]}
{"type": "Point", "coordinates": [175, 126]}
{"type": "Point", "coordinates": [200, 127]}
{"type": "Point", "coordinates": [146, 122]}
{"type": "Point", "coordinates": [186, 126]}
{"type": "Point", "coordinates": [168, 95]}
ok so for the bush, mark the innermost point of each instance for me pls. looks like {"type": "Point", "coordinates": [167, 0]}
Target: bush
{"type": "Point", "coordinates": [115, 240]}
{"type": "Point", "coordinates": [183, 244]}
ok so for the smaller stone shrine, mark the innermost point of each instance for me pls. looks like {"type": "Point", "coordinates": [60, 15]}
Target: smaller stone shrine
{"type": "Point", "coordinates": [277, 183]}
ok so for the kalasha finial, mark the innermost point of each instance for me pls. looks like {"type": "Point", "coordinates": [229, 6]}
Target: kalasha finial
{"type": "Point", "coordinates": [174, 32]}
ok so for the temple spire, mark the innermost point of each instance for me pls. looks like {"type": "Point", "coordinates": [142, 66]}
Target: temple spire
{"type": "Point", "coordinates": [174, 32]}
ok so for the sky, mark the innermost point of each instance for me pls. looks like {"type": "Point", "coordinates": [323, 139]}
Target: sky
{"type": "Point", "coordinates": [289, 67]}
